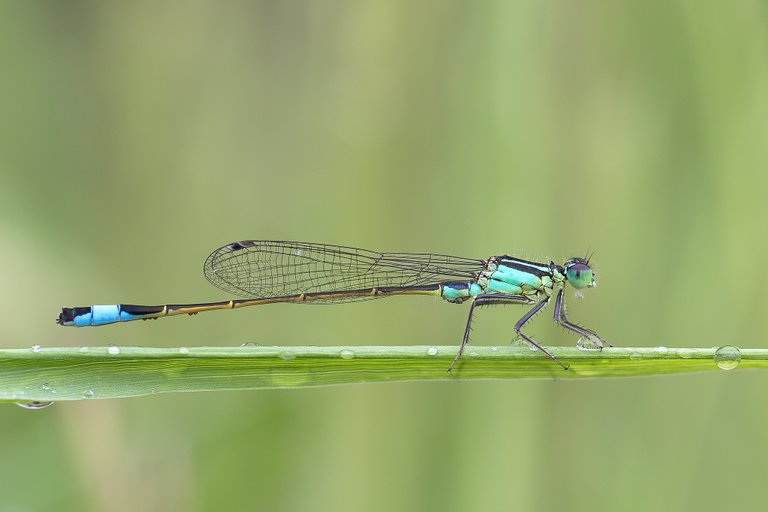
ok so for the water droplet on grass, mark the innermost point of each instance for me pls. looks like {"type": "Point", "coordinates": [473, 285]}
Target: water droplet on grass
{"type": "Point", "coordinates": [88, 393]}
{"type": "Point", "coordinates": [347, 354]}
{"type": "Point", "coordinates": [432, 351]}
{"type": "Point", "coordinates": [113, 350]}
{"type": "Point", "coordinates": [587, 345]}
{"type": "Point", "coordinates": [34, 404]}
{"type": "Point", "coordinates": [727, 357]}
{"type": "Point", "coordinates": [35, 348]}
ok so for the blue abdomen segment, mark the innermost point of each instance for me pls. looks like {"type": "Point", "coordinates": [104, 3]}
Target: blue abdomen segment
{"type": "Point", "coordinates": [459, 292]}
{"type": "Point", "coordinates": [102, 314]}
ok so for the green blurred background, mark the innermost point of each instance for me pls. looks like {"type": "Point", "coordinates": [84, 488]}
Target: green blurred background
{"type": "Point", "coordinates": [136, 137]}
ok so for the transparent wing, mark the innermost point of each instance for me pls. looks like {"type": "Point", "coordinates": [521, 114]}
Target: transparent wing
{"type": "Point", "coordinates": [268, 268]}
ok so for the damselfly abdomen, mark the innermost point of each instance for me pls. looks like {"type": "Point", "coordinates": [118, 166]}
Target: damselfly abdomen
{"type": "Point", "coordinates": [267, 272]}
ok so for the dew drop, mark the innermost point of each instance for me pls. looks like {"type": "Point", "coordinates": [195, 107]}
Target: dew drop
{"type": "Point", "coordinates": [249, 344]}
{"type": "Point", "coordinates": [35, 348]}
{"type": "Point", "coordinates": [46, 386]}
{"type": "Point", "coordinates": [113, 350]}
{"type": "Point", "coordinates": [661, 350]}
{"type": "Point", "coordinates": [494, 349]}
{"type": "Point", "coordinates": [83, 349]}
{"type": "Point", "coordinates": [432, 351]}
{"type": "Point", "coordinates": [727, 357]}
{"type": "Point", "coordinates": [685, 353]}
{"type": "Point", "coordinates": [34, 405]}
{"type": "Point", "coordinates": [347, 354]}
{"type": "Point", "coordinates": [88, 393]}
{"type": "Point", "coordinates": [587, 345]}
{"type": "Point", "coordinates": [183, 350]}
{"type": "Point", "coordinates": [635, 356]}
{"type": "Point", "coordinates": [287, 356]}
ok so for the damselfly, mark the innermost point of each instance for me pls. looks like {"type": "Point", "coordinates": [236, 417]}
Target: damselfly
{"type": "Point", "coordinates": [268, 272]}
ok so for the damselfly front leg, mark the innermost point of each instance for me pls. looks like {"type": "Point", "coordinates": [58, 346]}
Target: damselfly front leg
{"type": "Point", "coordinates": [562, 320]}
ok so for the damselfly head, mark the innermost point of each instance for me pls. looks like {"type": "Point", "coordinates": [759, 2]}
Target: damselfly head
{"type": "Point", "coordinates": [579, 273]}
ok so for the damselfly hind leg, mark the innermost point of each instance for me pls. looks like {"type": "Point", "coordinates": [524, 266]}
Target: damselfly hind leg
{"type": "Point", "coordinates": [592, 340]}
{"type": "Point", "coordinates": [465, 339]}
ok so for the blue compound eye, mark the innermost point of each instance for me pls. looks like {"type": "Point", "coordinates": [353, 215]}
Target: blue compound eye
{"type": "Point", "coordinates": [578, 273]}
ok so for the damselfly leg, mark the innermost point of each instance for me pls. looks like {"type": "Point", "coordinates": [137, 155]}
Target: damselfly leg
{"type": "Point", "coordinates": [530, 314]}
{"type": "Point", "coordinates": [562, 320]}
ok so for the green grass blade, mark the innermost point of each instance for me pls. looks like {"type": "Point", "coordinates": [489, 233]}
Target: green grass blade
{"type": "Point", "coordinates": [117, 372]}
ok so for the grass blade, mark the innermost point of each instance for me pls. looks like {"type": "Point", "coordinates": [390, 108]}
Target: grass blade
{"type": "Point", "coordinates": [46, 374]}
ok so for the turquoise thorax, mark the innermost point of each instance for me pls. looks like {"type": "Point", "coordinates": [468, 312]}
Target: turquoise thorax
{"type": "Point", "coordinates": [508, 276]}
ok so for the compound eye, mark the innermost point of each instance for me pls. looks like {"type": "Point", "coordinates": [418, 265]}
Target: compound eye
{"type": "Point", "coordinates": [579, 275]}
